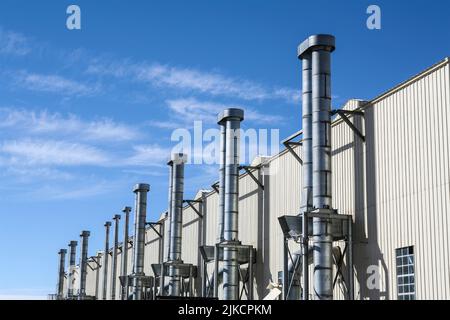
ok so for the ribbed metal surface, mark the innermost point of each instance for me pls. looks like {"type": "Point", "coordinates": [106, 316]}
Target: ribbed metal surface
{"type": "Point", "coordinates": [72, 264]}
{"type": "Point", "coordinates": [61, 272]}
{"type": "Point", "coordinates": [114, 257]}
{"type": "Point", "coordinates": [83, 263]}
{"type": "Point", "coordinates": [396, 185]}
{"type": "Point", "coordinates": [124, 254]}
{"type": "Point", "coordinates": [141, 191]}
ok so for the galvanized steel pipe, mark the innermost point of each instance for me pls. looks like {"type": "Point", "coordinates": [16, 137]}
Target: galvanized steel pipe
{"type": "Point", "coordinates": [72, 266]}
{"type": "Point", "coordinates": [124, 271]}
{"type": "Point", "coordinates": [83, 263]}
{"type": "Point", "coordinates": [222, 159]}
{"type": "Point", "coordinates": [320, 47]}
{"type": "Point", "coordinates": [141, 191]}
{"type": "Point", "coordinates": [176, 163]}
{"type": "Point", "coordinates": [61, 273]}
{"type": "Point", "coordinates": [232, 119]}
{"type": "Point", "coordinates": [114, 262]}
{"type": "Point", "coordinates": [106, 260]}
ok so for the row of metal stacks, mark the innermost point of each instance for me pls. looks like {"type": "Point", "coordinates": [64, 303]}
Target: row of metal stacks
{"type": "Point", "coordinates": [316, 229]}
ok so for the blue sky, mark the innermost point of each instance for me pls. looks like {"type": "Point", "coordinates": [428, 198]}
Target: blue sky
{"type": "Point", "coordinates": [86, 114]}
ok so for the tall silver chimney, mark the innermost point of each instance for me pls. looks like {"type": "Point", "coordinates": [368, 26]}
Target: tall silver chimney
{"type": "Point", "coordinates": [72, 266]}
{"type": "Point", "coordinates": [231, 119]}
{"type": "Point", "coordinates": [61, 273]}
{"type": "Point", "coordinates": [176, 163]}
{"type": "Point", "coordinates": [141, 191]}
{"type": "Point", "coordinates": [124, 271]}
{"type": "Point", "coordinates": [83, 263]}
{"type": "Point", "coordinates": [319, 48]}
{"type": "Point", "coordinates": [222, 159]}
{"type": "Point", "coordinates": [114, 262]}
{"type": "Point", "coordinates": [106, 260]}
{"type": "Point", "coordinates": [97, 274]}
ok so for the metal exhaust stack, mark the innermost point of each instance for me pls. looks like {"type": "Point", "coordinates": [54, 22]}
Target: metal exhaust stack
{"type": "Point", "coordinates": [316, 50]}
{"type": "Point", "coordinates": [124, 271]}
{"type": "Point", "coordinates": [72, 266]}
{"type": "Point", "coordinates": [222, 160]}
{"type": "Point", "coordinates": [231, 119]}
{"type": "Point", "coordinates": [83, 263]}
{"type": "Point", "coordinates": [176, 163]}
{"type": "Point", "coordinates": [97, 274]}
{"type": "Point", "coordinates": [61, 273]}
{"type": "Point", "coordinates": [106, 260]}
{"type": "Point", "coordinates": [114, 262]}
{"type": "Point", "coordinates": [141, 191]}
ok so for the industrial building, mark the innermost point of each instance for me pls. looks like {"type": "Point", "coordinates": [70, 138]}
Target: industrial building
{"type": "Point", "coordinates": [284, 229]}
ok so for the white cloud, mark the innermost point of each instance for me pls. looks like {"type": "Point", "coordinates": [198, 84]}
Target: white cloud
{"type": "Point", "coordinates": [149, 155]}
{"type": "Point", "coordinates": [191, 109]}
{"type": "Point", "coordinates": [54, 84]}
{"type": "Point", "coordinates": [49, 152]}
{"type": "Point", "coordinates": [12, 43]}
{"type": "Point", "coordinates": [43, 122]}
{"type": "Point", "coordinates": [192, 80]}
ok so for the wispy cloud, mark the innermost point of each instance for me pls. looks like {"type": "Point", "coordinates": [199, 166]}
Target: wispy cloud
{"type": "Point", "coordinates": [12, 43]}
{"type": "Point", "coordinates": [49, 152]}
{"type": "Point", "coordinates": [193, 80]}
{"type": "Point", "coordinates": [149, 155]}
{"type": "Point", "coordinates": [191, 109]}
{"type": "Point", "coordinates": [44, 122]}
{"type": "Point", "coordinates": [54, 84]}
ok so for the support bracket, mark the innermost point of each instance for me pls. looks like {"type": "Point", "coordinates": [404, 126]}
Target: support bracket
{"type": "Point", "coordinates": [248, 169]}
{"type": "Point", "coordinates": [343, 114]}
{"type": "Point", "coordinates": [190, 203]}
{"type": "Point", "coordinates": [152, 225]}
{"type": "Point", "coordinates": [215, 187]}
{"type": "Point", "coordinates": [288, 143]}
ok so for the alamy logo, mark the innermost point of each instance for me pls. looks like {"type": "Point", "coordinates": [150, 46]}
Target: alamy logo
{"type": "Point", "coordinates": [73, 21]}
{"type": "Point", "coordinates": [374, 20]}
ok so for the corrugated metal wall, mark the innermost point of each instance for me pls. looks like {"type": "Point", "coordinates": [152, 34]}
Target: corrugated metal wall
{"type": "Point", "coordinates": [395, 184]}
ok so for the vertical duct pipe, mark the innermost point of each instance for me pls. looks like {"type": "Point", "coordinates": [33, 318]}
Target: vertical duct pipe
{"type": "Point", "coordinates": [306, 205]}
{"type": "Point", "coordinates": [169, 209]}
{"type": "Point", "coordinates": [176, 163]}
{"type": "Point", "coordinates": [106, 260]}
{"type": "Point", "coordinates": [61, 273]}
{"type": "Point", "coordinates": [141, 191]}
{"type": "Point", "coordinates": [222, 159]}
{"type": "Point", "coordinates": [320, 47]}
{"type": "Point", "coordinates": [124, 271]}
{"type": "Point", "coordinates": [72, 266]}
{"type": "Point", "coordinates": [231, 118]}
{"type": "Point", "coordinates": [114, 257]}
{"type": "Point", "coordinates": [97, 274]}
{"type": "Point", "coordinates": [83, 263]}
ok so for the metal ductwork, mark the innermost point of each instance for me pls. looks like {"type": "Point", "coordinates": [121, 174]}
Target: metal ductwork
{"type": "Point", "coordinates": [97, 274]}
{"type": "Point", "coordinates": [72, 266]}
{"type": "Point", "coordinates": [83, 263]}
{"type": "Point", "coordinates": [61, 273]}
{"type": "Point", "coordinates": [141, 191]}
{"type": "Point", "coordinates": [106, 260]}
{"type": "Point", "coordinates": [124, 271]}
{"type": "Point", "coordinates": [316, 55]}
{"type": "Point", "coordinates": [114, 257]}
{"type": "Point", "coordinates": [221, 213]}
{"type": "Point", "coordinates": [176, 163]}
{"type": "Point", "coordinates": [231, 119]}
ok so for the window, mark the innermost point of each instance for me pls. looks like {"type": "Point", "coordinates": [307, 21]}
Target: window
{"type": "Point", "coordinates": [406, 280]}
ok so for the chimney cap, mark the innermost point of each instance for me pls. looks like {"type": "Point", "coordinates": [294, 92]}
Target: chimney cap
{"type": "Point", "coordinates": [318, 41]}
{"type": "Point", "coordinates": [73, 243]}
{"type": "Point", "coordinates": [117, 217]}
{"type": "Point", "coordinates": [178, 158]}
{"type": "Point", "coordinates": [62, 251]}
{"type": "Point", "coordinates": [143, 187]}
{"type": "Point", "coordinates": [85, 234]}
{"type": "Point", "coordinates": [227, 114]}
{"type": "Point", "coordinates": [126, 209]}
{"type": "Point", "coordinates": [108, 224]}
